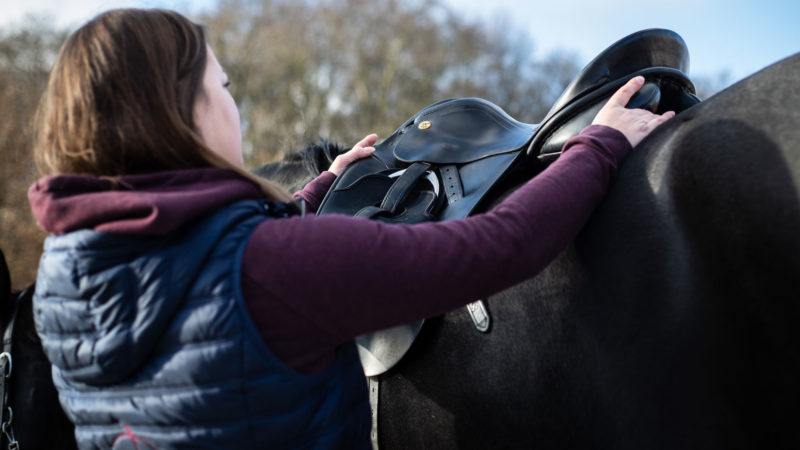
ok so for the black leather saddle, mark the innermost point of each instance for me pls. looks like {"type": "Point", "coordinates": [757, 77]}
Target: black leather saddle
{"type": "Point", "coordinates": [446, 158]}
{"type": "Point", "coordinates": [436, 166]}
{"type": "Point", "coordinates": [441, 162]}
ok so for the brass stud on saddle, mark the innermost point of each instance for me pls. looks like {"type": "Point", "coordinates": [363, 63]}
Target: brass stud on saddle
{"type": "Point", "coordinates": [424, 125]}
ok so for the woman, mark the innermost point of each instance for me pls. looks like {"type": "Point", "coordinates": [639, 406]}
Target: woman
{"type": "Point", "coordinates": [182, 303]}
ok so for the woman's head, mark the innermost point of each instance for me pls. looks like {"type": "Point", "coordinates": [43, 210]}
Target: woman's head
{"type": "Point", "coordinates": [135, 91]}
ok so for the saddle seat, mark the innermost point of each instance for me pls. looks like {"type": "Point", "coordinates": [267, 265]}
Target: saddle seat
{"type": "Point", "coordinates": [445, 159]}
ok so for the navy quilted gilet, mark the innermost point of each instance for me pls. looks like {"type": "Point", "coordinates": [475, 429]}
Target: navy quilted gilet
{"type": "Point", "coordinates": [150, 334]}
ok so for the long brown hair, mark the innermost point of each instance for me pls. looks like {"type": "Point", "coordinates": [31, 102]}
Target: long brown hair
{"type": "Point", "coordinates": [121, 97]}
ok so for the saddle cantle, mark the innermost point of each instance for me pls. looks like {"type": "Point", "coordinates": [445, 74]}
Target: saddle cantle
{"type": "Point", "coordinates": [660, 55]}
{"type": "Point", "coordinates": [445, 159]}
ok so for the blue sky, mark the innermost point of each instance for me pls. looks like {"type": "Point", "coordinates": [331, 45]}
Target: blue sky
{"type": "Point", "coordinates": [734, 36]}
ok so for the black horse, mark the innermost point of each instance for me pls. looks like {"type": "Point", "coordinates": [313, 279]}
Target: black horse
{"type": "Point", "coordinates": [670, 323]}
{"type": "Point", "coordinates": [32, 416]}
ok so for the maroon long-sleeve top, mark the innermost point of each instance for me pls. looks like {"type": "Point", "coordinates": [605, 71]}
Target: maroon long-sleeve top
{"type": "Point", "coordinates": [312, 283]}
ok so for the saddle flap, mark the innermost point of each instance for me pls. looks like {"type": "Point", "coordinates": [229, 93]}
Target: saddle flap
{"type": "Point", "coordinates": [460, 131]}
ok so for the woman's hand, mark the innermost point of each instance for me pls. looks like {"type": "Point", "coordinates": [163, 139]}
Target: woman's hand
{"type": "Point", "coordinates": [362, 149]}
{"type": "Point", "coordinates": [635, 124]}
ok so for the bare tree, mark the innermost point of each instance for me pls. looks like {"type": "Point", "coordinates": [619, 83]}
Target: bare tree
{"type": "Point", "coordinates": [341, 69]}
{"type": "Point", "coordinates": [26, 54]}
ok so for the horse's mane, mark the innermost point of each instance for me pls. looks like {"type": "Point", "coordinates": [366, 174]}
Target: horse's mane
{"type": "Point", "coordinates": [317, 157]}
{"type": "Point", "coordinates": [297, 168]}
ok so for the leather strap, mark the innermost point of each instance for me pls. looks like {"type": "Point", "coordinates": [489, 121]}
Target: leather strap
{"type": "Point", "coordinates": [396, 194]}
{"type": "Point", "coordinates": [403, 185]}
{"type": "Point", "coordinates": [372, 384]}
{"type": "Point", "coordinates": [452, 183]}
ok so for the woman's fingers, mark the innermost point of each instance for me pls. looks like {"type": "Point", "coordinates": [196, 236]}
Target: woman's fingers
{"type": "Point", "coordinates": [362, 149]}
{"type": "Point", "coordinates": [368, 141]}
{"type": "Point", "coordinates": [624, 94]}
{"type": "Point", "coordinates": [635, 123]}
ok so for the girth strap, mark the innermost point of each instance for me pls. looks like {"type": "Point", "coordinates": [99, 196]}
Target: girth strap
{"type": "Point", "coordinates": [373, 384]}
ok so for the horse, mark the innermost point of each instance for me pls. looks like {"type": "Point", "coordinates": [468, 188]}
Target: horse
{"type": "Point", "coordinates": [669, 322]}
{"type": "Point", "coordinates": [32, 415]}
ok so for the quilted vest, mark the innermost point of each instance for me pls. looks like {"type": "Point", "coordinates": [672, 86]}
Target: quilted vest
{"type": "Point", "coordinates": [150, 340]}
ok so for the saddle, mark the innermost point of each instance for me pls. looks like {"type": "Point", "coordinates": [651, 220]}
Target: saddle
{"type": "Point", "coordinates": [446, 158]}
